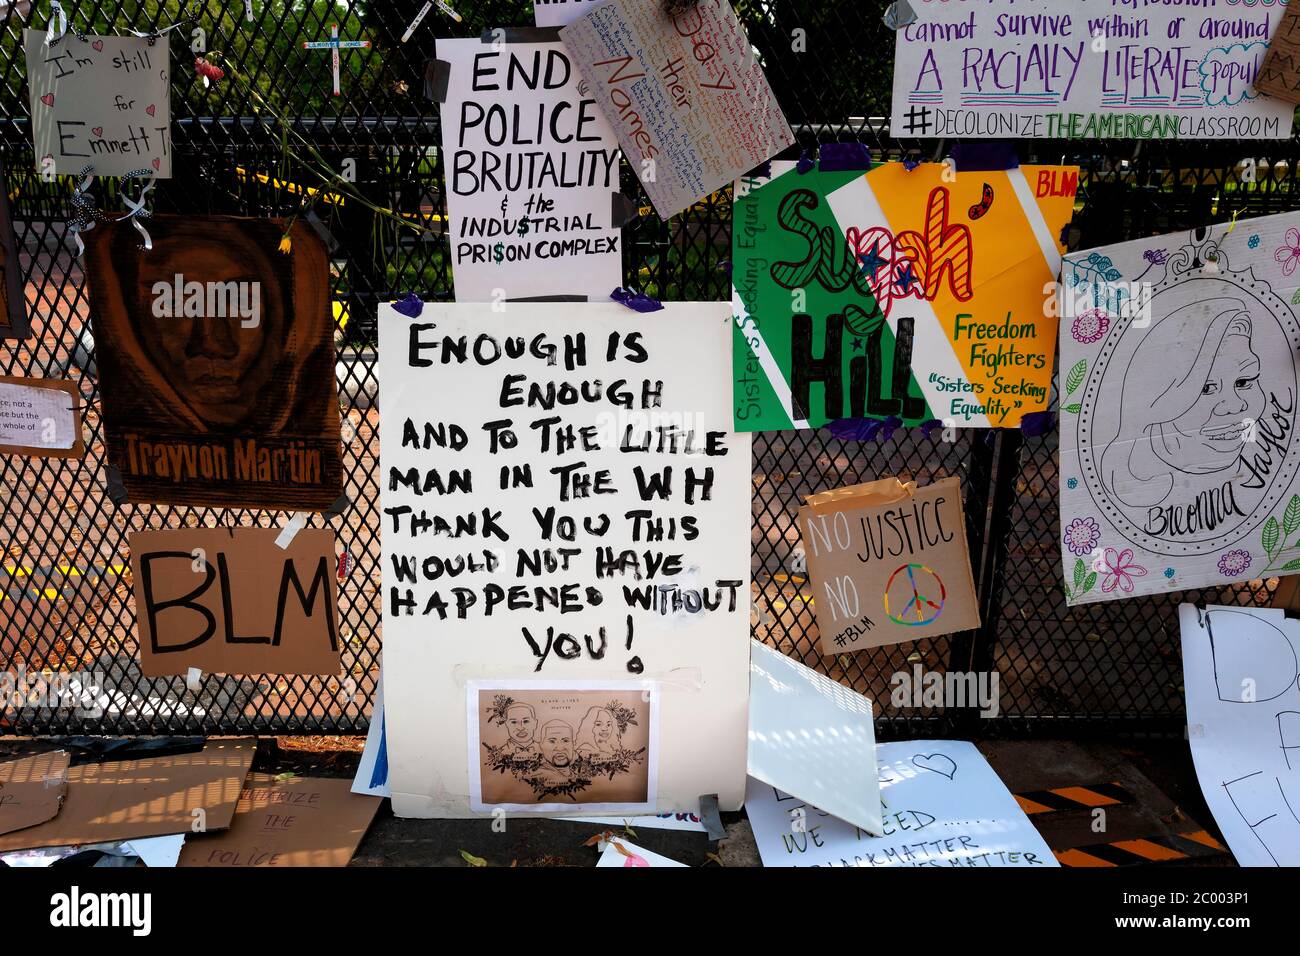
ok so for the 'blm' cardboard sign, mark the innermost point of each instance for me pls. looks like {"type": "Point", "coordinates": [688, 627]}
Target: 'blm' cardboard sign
{"type": "Point", "coordinates": [230, 601]}
{"type": "Point", "coordinates": [888, 562]}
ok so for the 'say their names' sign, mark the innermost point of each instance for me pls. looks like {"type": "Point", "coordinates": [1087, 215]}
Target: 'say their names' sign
{"type": "Point", "coordinates": [685, 94]}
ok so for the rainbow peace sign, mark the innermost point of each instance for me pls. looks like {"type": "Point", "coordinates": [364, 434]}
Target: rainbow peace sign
{"type": "Point", "coordinates": [915, 595]}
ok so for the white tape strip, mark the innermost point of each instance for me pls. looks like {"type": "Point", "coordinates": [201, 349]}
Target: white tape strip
{"type": "Point", "coordinates": [192, 678]}
{"type": "Point", "coordinates": [290, 530]}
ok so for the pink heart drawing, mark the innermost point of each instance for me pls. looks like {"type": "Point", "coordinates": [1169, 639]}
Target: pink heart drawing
{"type": "Point", "coordinates": [97, 131]}
{"type": "Point", "coordinates": [98, 45]}
{"type": "Point", "coordinates": [157, 163]}
{"type": "Point", "coordinates": [149, 109]}
{"type": "Point", "coordinates": [48, 99]}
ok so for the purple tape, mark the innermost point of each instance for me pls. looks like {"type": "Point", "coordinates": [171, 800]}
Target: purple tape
{"type": "Point", "coordinates": [636, 301]}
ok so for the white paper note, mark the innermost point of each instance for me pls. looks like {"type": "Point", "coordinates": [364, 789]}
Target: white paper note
{"type": "Point", "coordinates": [946, 807]}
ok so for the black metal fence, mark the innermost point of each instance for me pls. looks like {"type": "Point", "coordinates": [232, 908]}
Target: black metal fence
{"type": "Point", "coordinates": [66, 602]}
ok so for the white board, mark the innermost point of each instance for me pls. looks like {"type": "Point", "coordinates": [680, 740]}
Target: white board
{"type": "Point", "coordinates": [813, 737]}
{"type": "Point", "coordinates": [531, 167]}
{"type": "Point", "coordinates": [946, 807]}
{"type": "Point", "coordinates": [1059, 69]}
{"type": "Point", "coordinates": [1243, 723]}
{"type": "Point", "coordinates": [699, 659]}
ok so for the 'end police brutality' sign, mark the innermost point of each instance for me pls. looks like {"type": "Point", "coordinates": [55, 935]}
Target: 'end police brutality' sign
{"type": "Point", "coordinates": [1091, 69]}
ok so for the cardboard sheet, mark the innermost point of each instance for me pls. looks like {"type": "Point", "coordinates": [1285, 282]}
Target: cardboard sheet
{"type": "Point", "coordinates": [220, 385]}
{"type": "Point", "coordinates": [296, 821]}
{"type": "Point", "coordinates": [230, 601]}
{"type": "Point", "coordinates": [32, 790]}
{"type": "Point", "coordinates": [1279, 72]}
{"type": "Point", "coordinates": [888, 562]}
{"type": "Point", "coordinates": [157, 796]}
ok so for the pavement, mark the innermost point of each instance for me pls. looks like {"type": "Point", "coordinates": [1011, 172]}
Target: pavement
{"type": "Point", "coordinates": [1159, 773]}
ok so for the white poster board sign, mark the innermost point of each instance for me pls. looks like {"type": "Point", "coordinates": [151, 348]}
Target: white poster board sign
{"type": "Point", "coordinates": [1011, 69]}
{"type": "Point", "coordinates": [812, 736]}
{"type": "Point", "coordinates": [946, 807]}
{"type": "Point", "coordinates": [531, 167]}
{"type": "Point", "coordinates": [563, 499]}
{"type": "Point", "coordinates": [1178, 411]}
{"type": "Point", "coordinates": [103, 102]}
{"type": "Point", "coordinates": [1243, 724]}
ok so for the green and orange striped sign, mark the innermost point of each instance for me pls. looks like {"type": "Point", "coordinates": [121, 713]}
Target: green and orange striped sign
{"type": "Point", "coordinates": [919, 294]}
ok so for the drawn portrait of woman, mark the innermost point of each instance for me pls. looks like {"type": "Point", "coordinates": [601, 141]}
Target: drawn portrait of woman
{"type": "Point", "coordinates": [598, 737]}
{"type": "Point", "coordinates": [1190, 396]}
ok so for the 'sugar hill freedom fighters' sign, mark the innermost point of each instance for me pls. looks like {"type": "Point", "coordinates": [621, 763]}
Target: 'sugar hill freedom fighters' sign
{"type": "Point", "coordinates": [1092, 70]}
{"type": "Point", "coordinates": [531, 168]}
{"type": "Point", "coordinates": [1178, 401]}
{"type": "Point", "coordinates": [896, 292]}
{"type": "Point", "coordinates": [562, 498]}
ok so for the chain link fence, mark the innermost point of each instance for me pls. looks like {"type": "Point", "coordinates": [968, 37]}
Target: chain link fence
{"type": "Point", "coordinates": [66, 604]}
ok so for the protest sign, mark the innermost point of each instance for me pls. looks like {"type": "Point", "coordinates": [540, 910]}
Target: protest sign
{"type": "Point", "coordinates": [219, 386]}
{"type": "Point", "coordinates": [917, 294]}
{"type": "Point", "coordinates": [888, 562]}
{"type": "Point", "coordinates": [1178, 402]}
{"type": "Point", "coordinates": [1243, 721]}
{"type": "Point", "coordinates": [834, 761]}
{"type": "Point", "coordinates": [531, 169]}
{"type": "Point", "coordinates": [232, 601]}
{"type": "Point", "coordinates": [290, 821]}
{"type": "Point", "coordinates": [102, 102]}
{"type": "Point", "coordinates": [577, 509]}
{"type": "Point", "coordinates": [1279, 73]}
{"type": "Point", "coordinates": [40, 418]}
{"type": "Point", "coordinates": [945, 807]}
{"type": "Point", "coordinates": [546, 745]}
{"type": "Point", "coordinates": [684, 92]}
{"type": "Point", "coordinates": [1056, 69]}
